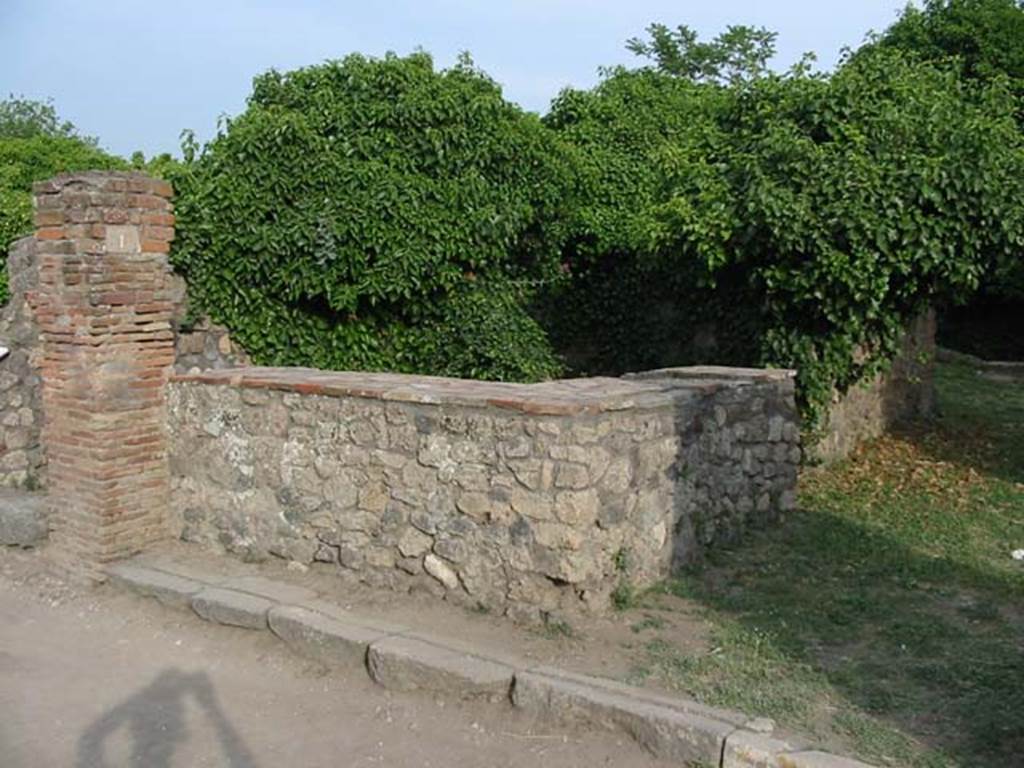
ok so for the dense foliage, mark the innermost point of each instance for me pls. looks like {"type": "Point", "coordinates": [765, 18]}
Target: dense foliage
{"type": "Point", "coordinates": [631, 304]}
{"type": "Point", "coordinates": [36, 145]}
{"type": "Point", "coordinates": [986, 39]}
{"type": "Point", "coordinates": [797, 220]}
{"type": "Point", "coordinates": [987, 36]}
{"type": "Point", "coordinates": [377, 214]}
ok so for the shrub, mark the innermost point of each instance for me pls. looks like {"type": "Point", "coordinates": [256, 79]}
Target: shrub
{"type": "Point", "coordinates": [358, 211]}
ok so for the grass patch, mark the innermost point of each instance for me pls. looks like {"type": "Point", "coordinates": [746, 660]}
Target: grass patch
{"type": "Point", "coordinates": [886, 618]}
{"type": "Point", "coordinates": [648, 622]}
{"type": "Point", "coordinates": [554, 627]}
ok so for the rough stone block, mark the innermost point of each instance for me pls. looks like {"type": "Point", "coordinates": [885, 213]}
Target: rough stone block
{"type": "Point", "coordinates": [684, 732]}
{"type": "Point", "coordinates": [226, 606]}
{"type": "Point", "coordinates": [23, 520]}
{"type": "Point", "coordinates": [408, 663]}
{"type": "Point", "coordinates": [746, 749]}
{"type": "Point", "coordinates": [171, 590]}
{"type": "Point", "coordinates": [331, 639]}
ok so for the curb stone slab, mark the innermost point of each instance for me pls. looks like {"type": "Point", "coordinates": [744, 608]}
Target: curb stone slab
{"type": "Point", "coordinates": [208, 577]}
{"type": "Point", "coordinates": [225, 606]}
{"type": "Point", "coordinates": [736, 719]}
{"type": "Point", "coordinates": [815, 759]}
{"type": "Point", "coordinates": [746, 749]}
{"type": "Point", "coordinates": [170, 590]}
{"type": "Point", "coordinates": [321, 637]}
{"type": "Point", "coordinates": [333, 611]}
{"type": "Point", "coordinates": [403, 663]}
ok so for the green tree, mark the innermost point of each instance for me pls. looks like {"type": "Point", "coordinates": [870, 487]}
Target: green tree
{"type": "Point", "coordinates": [739, 54]}
{"type": "Point", "coordinates": [162, 166]}
{"type": "Point", "coordinates": [36, 144]}
{"type": "Point", "coordinates": [22, 118]}
{"type": "Point", "coordinates": [986, 36]}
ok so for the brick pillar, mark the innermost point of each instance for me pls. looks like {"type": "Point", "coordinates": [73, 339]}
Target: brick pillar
{"type": "Point", "coordinates": [104, 305]}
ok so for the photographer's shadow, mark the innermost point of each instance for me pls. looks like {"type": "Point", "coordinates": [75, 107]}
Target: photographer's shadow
{"type": "Point", "coordinates": [155, 720]}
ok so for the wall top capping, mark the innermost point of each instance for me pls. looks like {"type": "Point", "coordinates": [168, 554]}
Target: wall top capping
{"type": "Point", "coordinates": [563, 397]}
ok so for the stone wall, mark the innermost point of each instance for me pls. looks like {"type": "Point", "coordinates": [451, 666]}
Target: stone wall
{"type": "Point", "coordinates": [22, 463]}
{"type": "Point", "coordinates": [522, 499]}
{"type": "Point", "coordinates": [905, 392]}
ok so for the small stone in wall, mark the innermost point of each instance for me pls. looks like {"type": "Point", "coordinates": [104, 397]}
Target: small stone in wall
{"type": "Point", "coordinates": [572, 476]}
{"type": "Point", "coordinates": [410, 565]}
{"type": "Point", "coordinates": [325, 553]}
{"type": "Point", "coordinates": [556, 536]}
{"type": "Point", "coordinates": [533, 505]}
{"type": "Point", "coordinates": [618, 476]}
{"type": "Point", "coordinates": [374, 498]}
{"type": "Point", "coordinates": [437, 568]}
{"type": "Point", "coordinates": [578, 508]}
{"type": "Point", "coordinates": [414, 543]}
{"type": "Point", "coordinates": [476, 505]}
{"type": "Point", "coordinates": [452, 549]}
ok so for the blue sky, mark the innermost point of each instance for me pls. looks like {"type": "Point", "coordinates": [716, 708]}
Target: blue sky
{"type": "Point", "coordinates": [136, 73]}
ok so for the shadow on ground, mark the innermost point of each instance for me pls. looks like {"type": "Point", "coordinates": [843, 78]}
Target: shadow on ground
{"type": "Point", "coordinates": [154, 722]}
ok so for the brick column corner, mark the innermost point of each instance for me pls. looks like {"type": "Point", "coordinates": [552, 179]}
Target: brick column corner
{"type": "Point", "coordinates": [104, 305]}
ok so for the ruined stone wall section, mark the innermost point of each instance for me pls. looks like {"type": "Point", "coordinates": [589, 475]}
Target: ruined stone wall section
{"type": "Point", "coordinates": [206, 346]}
{"type": "Point", "coordinates": [904, 393]}
{"type": "Point", "coordinates": [22, 463]}
{"type": "Point", "coordinates": [523, 499]}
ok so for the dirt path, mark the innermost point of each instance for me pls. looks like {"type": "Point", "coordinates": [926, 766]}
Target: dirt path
{"type": "Point", "coordinates": [98, 678]}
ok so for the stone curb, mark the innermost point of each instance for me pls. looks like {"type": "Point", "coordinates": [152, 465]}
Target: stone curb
{"type": "Point", "coordinates": [324, 638]}
{"type": "Point", "coordinates": [226, 606]}
{"type": "Point", "coordinates": [403, 660]}
{"type": "Point", "coordinates": [171, 590]}
{"type": "Point", "coordinates": [404, 663]}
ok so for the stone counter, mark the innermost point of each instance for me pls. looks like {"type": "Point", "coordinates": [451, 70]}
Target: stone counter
{"type": "Point", "coordinates": [521, 499]}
